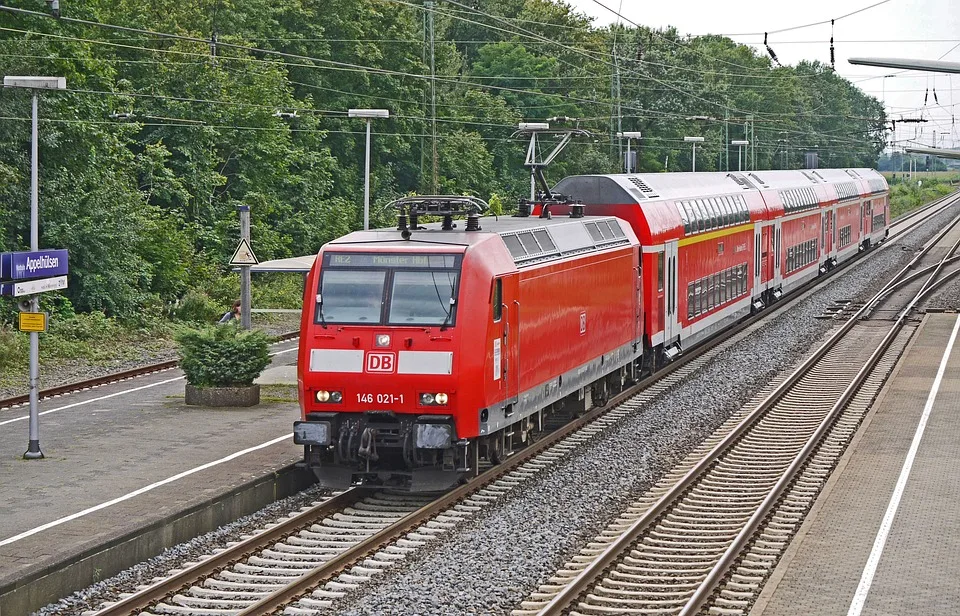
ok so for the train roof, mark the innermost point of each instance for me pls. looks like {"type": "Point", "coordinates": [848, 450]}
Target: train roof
{"type": "Point", "coordinates": [639, 188]}
{"type": "Point", "coordinates": [529, 240]}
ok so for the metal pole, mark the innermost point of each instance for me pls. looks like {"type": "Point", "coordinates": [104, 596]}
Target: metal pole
{"type": "Point", "coordinates": [628, 155]}
{"type": "Point", "coordinates": [694, 157]}
{"type": "Point", "coordinates": [33, 447]}
{"type": "Point", "coordinates": [245, 297]}
{"type": "Point", "coordinates": [740, 158]}
{"type": "Point", "coordinates": [366, 184]}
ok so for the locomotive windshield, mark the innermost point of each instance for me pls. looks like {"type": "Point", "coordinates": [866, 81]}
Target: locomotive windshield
{"type": "Point", "coordinates": [388, 289]}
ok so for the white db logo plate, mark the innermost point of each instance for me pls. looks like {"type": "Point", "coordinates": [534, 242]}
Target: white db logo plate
{"type": "Point", "coordinates": [381, 362]}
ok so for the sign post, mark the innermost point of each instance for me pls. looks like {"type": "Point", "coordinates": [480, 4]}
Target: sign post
{"type": "Point", "coordinates": [243, 256]}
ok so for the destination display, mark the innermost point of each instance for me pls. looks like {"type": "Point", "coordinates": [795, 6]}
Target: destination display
{"type": "Point", "coordinates": [34, 264]}
{"type": "Point", "coordinates": [437, 261]}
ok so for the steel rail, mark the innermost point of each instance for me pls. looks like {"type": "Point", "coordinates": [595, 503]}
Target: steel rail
{"type": "Point", "coordinates": [148, 596]}
{"type": "Point", "coordinates": [565, 598]}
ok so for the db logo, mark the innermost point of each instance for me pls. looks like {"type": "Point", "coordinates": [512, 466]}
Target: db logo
{"type": "Point", "coordinates": [583, 323]}
{"type": "Point", "coordinates": [381, 362]}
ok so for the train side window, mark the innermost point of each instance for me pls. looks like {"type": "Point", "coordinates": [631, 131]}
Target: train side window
{"type": "Point", "coordinates": [497, 300]}
{"type": "Point", "coordinates": [659, 271]}
{"type": "Point", "coordinates": [690, 304]}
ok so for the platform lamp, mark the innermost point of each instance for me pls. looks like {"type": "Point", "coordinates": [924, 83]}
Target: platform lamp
{"type": "Point", "coordinates": [629, 136]}
{"type": "Point", "coordinates": [34, 84]}
{"type": "Point", "coordinates": [369, 115]}
{"type": "Point", "coordinates": [740, 143]}
{"type": "Point", "coordinates": [694, 141]}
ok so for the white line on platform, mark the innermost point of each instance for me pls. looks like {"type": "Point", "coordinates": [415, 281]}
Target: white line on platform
{"type": "Point", "coordinates": [120, 499]}
{"type": "Point", "coordinates": [119, 393]}
{"type": "Point", "coordinates": [866, 580]}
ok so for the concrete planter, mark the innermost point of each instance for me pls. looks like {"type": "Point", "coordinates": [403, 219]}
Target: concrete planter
{"type": "Point", "coordinates": [223, 396]}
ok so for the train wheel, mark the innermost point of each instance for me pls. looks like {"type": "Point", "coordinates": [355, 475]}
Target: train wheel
{"type": "Point", "coordinates": [495, 448]}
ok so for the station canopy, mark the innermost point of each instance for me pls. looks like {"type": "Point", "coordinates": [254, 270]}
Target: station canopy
{"type": "Point", "coordinates": [290, 264]}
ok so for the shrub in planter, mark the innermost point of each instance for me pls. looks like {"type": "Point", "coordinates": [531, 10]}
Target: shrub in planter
{"type": "Point", "coordinates": [221, 357]}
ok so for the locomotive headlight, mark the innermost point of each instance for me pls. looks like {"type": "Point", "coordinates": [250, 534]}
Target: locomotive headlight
{"type": "Point", "coordinates": [439, 399]}
{"type": "Point", "coordinates": [323, 395]}
{"type": "Point", "coordinates": [336, 396]}
{"type": "Point", "coordinates": [383, 340]}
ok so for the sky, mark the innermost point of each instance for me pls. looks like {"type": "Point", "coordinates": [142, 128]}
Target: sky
{"type": "Point", "coordinates": [917, 29]}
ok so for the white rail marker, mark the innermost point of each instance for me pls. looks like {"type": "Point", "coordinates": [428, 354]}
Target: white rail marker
{"type": "Point", "coordinates": [866, 580]}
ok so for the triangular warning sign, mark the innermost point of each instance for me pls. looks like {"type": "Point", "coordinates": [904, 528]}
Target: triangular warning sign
{"type": "Point", "coordinates": [244, 255]}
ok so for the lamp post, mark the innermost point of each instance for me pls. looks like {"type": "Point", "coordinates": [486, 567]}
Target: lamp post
{"type": "Point", "coordinates": [740, 143]}
{"type": "Point", "coordinates": [34, 84]}
{"type": "Point", "coordinates": [694, 141]}
{"type": "Point", "coordinates": [629, 136]}
{"type": "Point", "coordinates": [368, 115]}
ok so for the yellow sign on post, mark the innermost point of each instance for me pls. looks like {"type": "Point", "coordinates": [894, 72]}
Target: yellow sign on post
{"type": "Point", "coordinates": [33, 322]}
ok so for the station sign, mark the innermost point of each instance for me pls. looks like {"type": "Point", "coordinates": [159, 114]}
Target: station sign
{"type": "Point", "coordinates": [32, 287]}
{"type": "Point", "coordinates": [34, 264]}
{"type": "Point", "coordinates": [32, 321]}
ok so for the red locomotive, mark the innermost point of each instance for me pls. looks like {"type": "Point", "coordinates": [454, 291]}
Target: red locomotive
{"type": "Point", "coordinates": [427, 348]}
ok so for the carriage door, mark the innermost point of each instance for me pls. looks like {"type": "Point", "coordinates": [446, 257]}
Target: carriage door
{"type": "Point", "coordinates": [506, 342]}
{"type": "Point", "coordinates": [766, 255]}
{"type": "Point", "coordinates": [826, 235]}
{"type": "Point", "coordinates": [671, 324]}
{"type": "Point", "coordinates": [757, 261]}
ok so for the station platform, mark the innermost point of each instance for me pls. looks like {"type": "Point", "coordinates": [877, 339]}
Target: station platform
{"type": "Point", "coordinates": [130, 470]}
{"type": "Point", "coordinates": [884, 536]}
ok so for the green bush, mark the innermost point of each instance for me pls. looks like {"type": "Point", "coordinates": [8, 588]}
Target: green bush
{"type": "Point", "coordinates": [13, 347]}
{"type": "Point", "coordinates": [198, 307]}
{"type": "Point", "coordinates": [222, 356]}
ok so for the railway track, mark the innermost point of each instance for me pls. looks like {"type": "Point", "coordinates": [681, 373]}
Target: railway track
{"type": "Point", "coordinates": [271, 571]}
{"type": "Point", "coordinates": [708, 535]}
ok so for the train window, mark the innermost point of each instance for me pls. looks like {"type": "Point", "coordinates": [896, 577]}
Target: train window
{"type": "Point", "coordinates": [514, 245]}
{"type": "Point", "coordinates": [497, 300]}
{"type": "Point", "coordinates": [659, 271]}
{"type": "Point", "coordinates": [423, 298]}
{"type": "Point", "coordinates": [684, 216]}
{"type": "Point", "coordinates": [690, 303]}
{"type": "Point", "coordinates": [702, 216]}
{"type": "Point", "coordinates": [728, 208]}
{"type": "Point", "coordinates": [789, 259]}
{"type": "Point", "coordinates": [351, 296]}
{"type": "Point", "coordinates": [529, 243]}
{"type": "Point", "coordinates": [545, 241]}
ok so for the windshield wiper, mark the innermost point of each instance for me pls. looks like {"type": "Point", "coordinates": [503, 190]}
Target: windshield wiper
{"type": "Point", "coordinates": [446, 321]}
{"type": "Point", "coordinates": [323, 321]}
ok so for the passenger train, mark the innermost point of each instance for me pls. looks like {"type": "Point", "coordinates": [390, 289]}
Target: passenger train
{"type": "Point", "coordinates": [428, 348]}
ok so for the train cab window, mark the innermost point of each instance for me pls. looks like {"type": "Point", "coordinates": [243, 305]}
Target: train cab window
{"type": "Point", "coordinates": [497, 300]}
{"type": "Point", "coordinates": [384, 288]}
{"type": "Point", "coordinates": [350, 296]}
{"type": "Point", "coordinates": [423, 298]}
